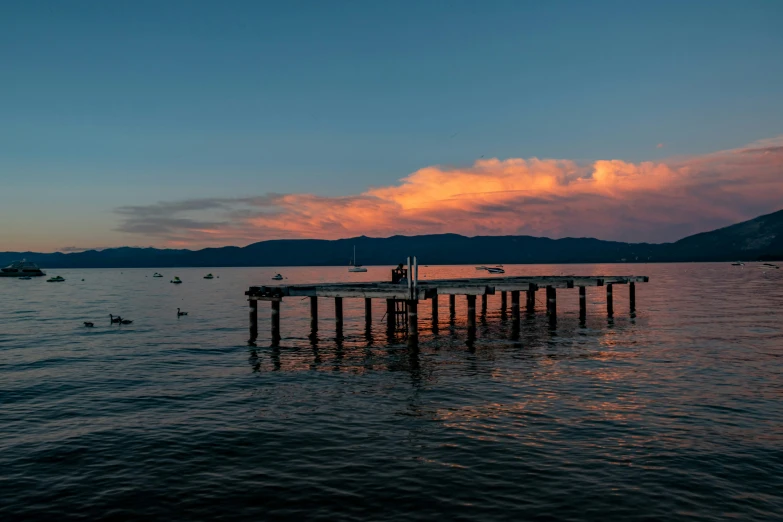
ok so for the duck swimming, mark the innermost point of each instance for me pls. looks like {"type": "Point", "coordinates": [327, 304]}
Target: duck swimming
{"type": "Point", "coordinates": [126, 321]}
{"type": "Point", "coordinates": [115, 319]}
{"type": "Point", "coordinates": [88, 324]}
{"type": "Point", "coordinates": [181, 313]}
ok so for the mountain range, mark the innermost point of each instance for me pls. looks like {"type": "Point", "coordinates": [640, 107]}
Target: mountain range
{"type": "Point", "coordinates": [758, 239]}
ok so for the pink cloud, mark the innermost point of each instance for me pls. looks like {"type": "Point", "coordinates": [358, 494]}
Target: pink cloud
{"type": "Point", "coordinates": [608, 199]}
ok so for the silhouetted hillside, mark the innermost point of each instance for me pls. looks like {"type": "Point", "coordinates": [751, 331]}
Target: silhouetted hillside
{"type": "Point", "coordinates": [760, 238]}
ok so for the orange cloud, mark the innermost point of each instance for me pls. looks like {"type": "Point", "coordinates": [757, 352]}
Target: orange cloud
{"type": "Point", "coordinates": [609, 199]}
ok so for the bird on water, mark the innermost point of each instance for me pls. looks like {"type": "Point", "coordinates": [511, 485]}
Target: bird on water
{"type": "Point", "coordinates": [126, 321]}
{"type": "Point", "coordinates": [179, 314]}
{"type": "Point", "coordinates": [88, 324]}
{"type": "Point", "coordinates": [115, 319]}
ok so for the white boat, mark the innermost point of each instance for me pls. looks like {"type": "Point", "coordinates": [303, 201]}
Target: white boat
{"type": "Point", "coordinates": [354, 266]}
{"type": "Point", "coordinates": [55, 279]}
{"type": "Point", "coordinates": [495, 270]}
{"type": "Point", "coordinates": [738, 263]}
{"type": "Point", "coordinates": [20, 269]}
{"type": "Point", "coordinates": [277, 277]}
{"type": "Point", "coordinates": [176, 281]}
{"type": "Point", "coordinates": [209, 276]}
{"type": "Point", "coordinates": [157, 275]}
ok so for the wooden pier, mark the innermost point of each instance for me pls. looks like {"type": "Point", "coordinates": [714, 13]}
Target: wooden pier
{"type": "Point", "coordinates": [403, 295]}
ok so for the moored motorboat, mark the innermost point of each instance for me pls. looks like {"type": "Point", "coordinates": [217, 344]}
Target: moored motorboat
{"type": "Point", "coordinates": [277, 277]}
{"type": "Point", "coordinates": [209, 276]}
{"type": "Point", "coordinates": [157, 275]}
{"type": "Point", "coordinates": [176, 281]}
{"type": "Point", "coordinates": [24, 278]}
{"type": "Point", "coordinates": [21, 268]}
{"type": "Point", "coordinates": [495, 270]}
{"type": "Point", "coordinates": [55, 279]}
{"type": "Point", "coordinates": [738, 263]}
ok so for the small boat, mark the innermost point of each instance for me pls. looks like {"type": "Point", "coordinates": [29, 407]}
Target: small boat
{"type": "Point", "coordinates": [157, 275]}
{"type": "Point", "coordinates": [277, 277]}
{"type": "Point", "coordinates": [56, 279]}
{"type": "Point", "coordinates": [24, 278]}
{"type": "Point", "coordinates": [176, 281]}
{"type": "Point", "coordinates": [738, 263]}
{"type": "Point", "coordinates": [21, 268]}
{"type": "Point", "coordinates": [209, 276]}
{"type": "Point", "coordinates": [495, 270]}
{"type": "Point", "coordinates": [354, 266]}
{"type": "Point", "coordinates": [770, 265]}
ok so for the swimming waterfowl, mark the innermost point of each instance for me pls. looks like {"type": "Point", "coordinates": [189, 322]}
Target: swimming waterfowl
{"type": "Point", "coordinates": [88, 324]}
{"type": "Point", "coordinates": [125, 321]}
{"type": "Point", "coordinates": [115, 319]}
{"type": "Point", "coordinates": [181, 313]}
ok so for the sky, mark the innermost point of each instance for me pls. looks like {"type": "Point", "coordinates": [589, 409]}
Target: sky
{"type": "Point", "coordinates": [205, 123]}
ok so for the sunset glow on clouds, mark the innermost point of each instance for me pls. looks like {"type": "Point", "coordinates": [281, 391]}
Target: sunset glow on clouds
{"type": "Point", "coordinates": [608, 199]}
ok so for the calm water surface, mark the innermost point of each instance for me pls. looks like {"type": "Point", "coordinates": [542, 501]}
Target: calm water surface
{"type": "Point", "coordinates": [674, 413]}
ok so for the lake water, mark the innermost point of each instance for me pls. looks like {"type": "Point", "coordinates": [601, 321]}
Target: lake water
{"type": "Point", "coordinates": [674, 413]}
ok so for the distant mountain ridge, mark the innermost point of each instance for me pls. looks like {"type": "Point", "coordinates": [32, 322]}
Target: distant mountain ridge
{"type": "Point", "coordinates": [758, 239]}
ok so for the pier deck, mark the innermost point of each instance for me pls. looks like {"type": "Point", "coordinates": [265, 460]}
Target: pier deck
{"type": "Point", "coordinates": [402, 298]}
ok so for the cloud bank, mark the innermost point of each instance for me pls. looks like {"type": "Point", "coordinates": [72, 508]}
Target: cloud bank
{"type": "Point", "coordinates": [608, 199]}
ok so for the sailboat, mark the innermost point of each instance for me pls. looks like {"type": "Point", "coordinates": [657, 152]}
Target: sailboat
{"type": "Point", "coordinates": [355, 267]}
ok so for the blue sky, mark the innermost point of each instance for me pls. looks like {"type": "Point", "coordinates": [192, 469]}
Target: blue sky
{"type": "Point", "coordinates": [109, 104]}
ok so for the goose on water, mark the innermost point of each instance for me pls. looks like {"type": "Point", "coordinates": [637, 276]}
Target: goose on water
{"type": "Point", "coordinates": [115, 319]}
{"type": "Point", "coordinates": [181, 313]}
{"type": "Point", "coordinates": [126, 321]}
{"type": "Point", "coordinates": [88, 324]}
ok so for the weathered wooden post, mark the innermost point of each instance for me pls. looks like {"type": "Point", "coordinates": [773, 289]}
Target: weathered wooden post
{"type": "Point", "coordinates": [483, 305]}
{"type": "Point", "coordinates": [275, 322]}
{"type": "Point", "coordinates": [367, 313]}
{"type": "Point", "coordinates": [515, 307]}
{"type": "Point", "coordinates": [551, 300]}
{"type": "Point", "coordinates": [253, 320]}
{"type": "Point", "coordinates": [413, 321]}
{"type": "Point", "coordinates": [531, 299]}
{"type": "Point", "coordinates": [471, 312]}
{"type": "Point", "coordinates": [452, 306]}
{"type": "Point", "coordinates": [338, 316]}
{"type": "Point", "coordinates": [582, 303]}
{"type": "Point", "coordinates": [313, 314]}
{"type": "Point", "coordinates": [434, 302]}
{"type": "Point", "coordinates": [609, 303]}
{"type": "Point", "coordinates": [503, 305]}
{"type": "Point", "coordinates": [390, 318]}
{"type": "Point", "coordinates": [632, 295]}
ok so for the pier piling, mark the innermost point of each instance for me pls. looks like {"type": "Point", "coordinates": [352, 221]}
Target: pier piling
{"type": "Point", "coordinates": [471, 312]}
{"type": "Point", "coordinates": [582, 303]}
{"type": "Point", "coordinates": [452, 306]}
{"type": "Point", "coordinates": [413, 321]}
{"type": "Point", "coordinates": [551, 300]}
{"type": "Point", "coordinates": [434, 303]}
{"type": "Point", "coordinates": [253, 320]}
{"type": "Point", "coordinates": [515, 307]}
{"type": "Point", "coordinates": [632, 295]}
{"type": "Point", "coordinates": [503, 302]}
{"type": "Point", "coordinates": [367, 313]}
{"type": "Point", "coordinates": [275, 322]}
{"type": "Point", "coordinates": [338, 316]}
{"type": "Point", "coordinates": [609, 303]}
{"type": "Point", "coordinates": [313, 314]}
